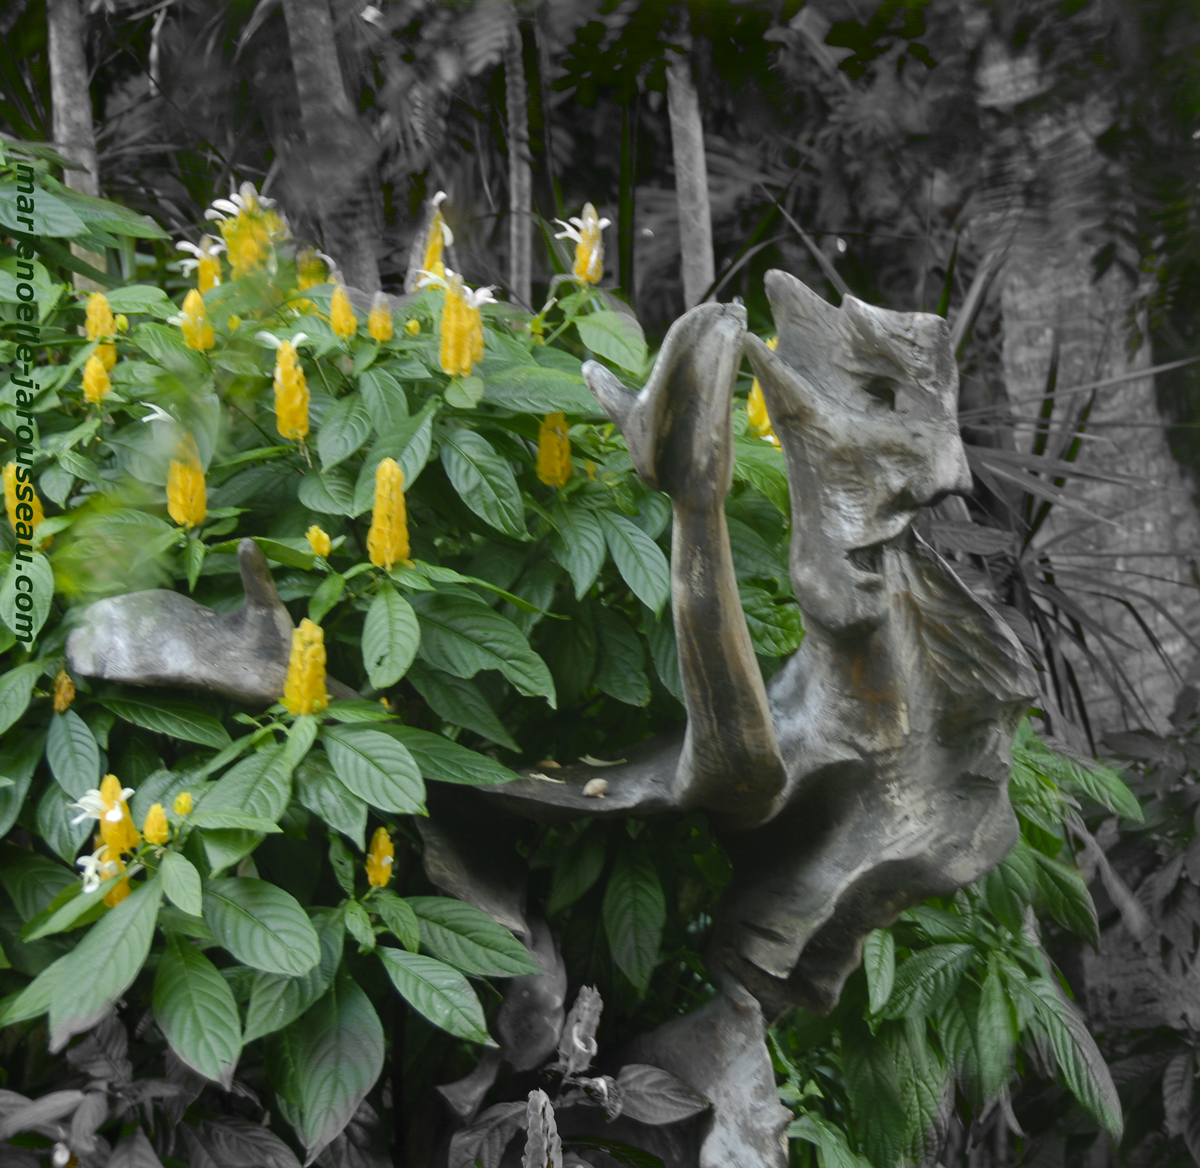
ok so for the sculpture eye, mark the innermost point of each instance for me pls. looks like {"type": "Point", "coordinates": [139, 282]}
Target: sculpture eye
{"type": "Point", "coordinates": [883, 390]}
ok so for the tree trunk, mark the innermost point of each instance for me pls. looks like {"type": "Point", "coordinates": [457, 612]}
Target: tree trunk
{"type": "Point", "coordinates": [691, 182]}
{"type": "Point", "coordinates": [70, 94]}
{"type": "Point", "coordinates": [520, 177]}
{"type": "Point", "coordinates": [340, 153]}
{"type": "Point", "coordinates": [1150, 535]}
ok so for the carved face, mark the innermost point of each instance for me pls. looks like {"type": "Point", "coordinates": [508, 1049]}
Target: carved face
{"type": "Point", "coordinates": [864, 402]}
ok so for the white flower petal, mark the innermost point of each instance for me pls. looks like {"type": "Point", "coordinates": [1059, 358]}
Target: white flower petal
{"type": "Point", "coordinates": [439, 198]}
{"type": "Point", "coordinates": [115, 815]}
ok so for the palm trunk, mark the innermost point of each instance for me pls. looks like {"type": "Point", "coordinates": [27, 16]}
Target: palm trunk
{"type": "Point", "coordinates": [74, 134]}
{"type": "Point", "coordinates": [691, 182]}
{"type": "Point", "coordinates": [340, 154]}
{"type": "Point", "coordinates": [520, 177]}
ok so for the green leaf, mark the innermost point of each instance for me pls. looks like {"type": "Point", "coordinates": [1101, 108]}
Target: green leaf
{"type": "Point", "coordinates": [358, 922]}
{"type": "Point", "coordinates": [639, 560]}
{"type": "Point", "coordinates": [70, 909]}
{"type": "Point", "coordinates": [277, 1001]}
{"type": "Point", "coordinates": [438, 992]}
{"type": "Point", "coordinates": [384, 398]}
{"type": "Point", "coordinates": [224, 847]}
{"type": "Point", "coordinates": [409, 442]}
{"type": "Point", "coordinates": [339, 1055]}
{"type": "Point", "coordinates": [260, 786]}
{"type": "Point", "coordinates": [41, 577]}
{"type": "Point", "coordinates": [261, 925]}
{"type": "Point", "coordinates": [282, 553]}
{"type": "Point", "coordinates": [18, 761]}
{"type": "Point", "coordinates": [148, 299]}
{"type": "Point", "coordinates": [615, 336]}
{"type": "Point", "coordinates": [634, 913]}
{"type": "Point", "coordinates": [399, 917]}
{"type": "Point", "coordinates": [103, 965]}
{"type": "Point", "coordinates": [459, 702]}
{"type": "Point", "coordinates": [873, 1087]}
{"type": "Point", "coordinates": [621, 671]}
{"type": "Point", "coordinates": [328, 492]}
{"type": "Point", "coordinates": [231, 819]}
{"type": "Point", "coordinates": [31, 880]}
{"type": "Point", "coordinates": [660, 636]}
{"type": "Point", "coordinates": [469, 939]}
{"type": "Point", "coordinates": [324, 794]}
{"type": "Point", "coordinates": [464, 393]}
{"type": "Point", "coordinates": [193, 556]}
{"type": "Point", "coordinates": [879, 964]}
{"type": "Point", "coordinates": [328, 593]}
{"type": "Point", "coordinates": [55, 817]}
{"type": "Point", "coordinates": [195, 1010]}
{"type": "Point", "coordinates": [776, 630]}
{"type": "Point", "coordinates": [833, 1149]}
{"type": "Point", "coordinates": [73, 754]}
{"type": "Point", "coordinates": [927, 979]}
{"type": "Point", "coordinates": [579, 545]}
{"type": "Point", "coordinates": [1067, 898]}
{"type": "Point", "coordinates": [484, 480]}
{"type": "Point", "coordinates": [344, 431]}
{"type": "Point", "coordinates": [181, 884]}
{"type": "Point", "coordinates": [578, 868]}
{"type": "Point", "coordinates": [535, 389]}
{"type": "Point", "coordinates": [1080, 1062]}
{"type": "Point", "coordinates": [179, 719]}
{"type": "Point", "coordinates": [376, 768]}
{"type": "Point", "coordinates": [444, 761]}
{"type": "Point", "coordinates": [16, 687]}
{"type": "Point", "coordinates": [462, 635]}
{"type": "Point", "coordinates": [762, 466]}
{"type": "Point", "coordinates": [995, 1033]}
{"type": "Point", "coordinates": [51, 215]}
{"type": "Point", "coordinates": [390, 637]}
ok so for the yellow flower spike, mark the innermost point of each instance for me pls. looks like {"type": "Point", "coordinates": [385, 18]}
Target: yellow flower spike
{"type": "Point", "coordinates": [155, 828]}
{"type": "Point", "coordinates": [208, 273]}
{"type": "Point", "coordinates": [183, 803]}
{"type": "Point", "coordinates": [121, 890]}
{"type": "Point", "coordinates": [341, 314]}
{"type": "Point", "coordinates": [96, 381]}
{"type": "Point", "coordinates": [380, 859]}
{"type": "Point", "coordinates": [437, 237]}
{"type": "Point", "coordinates": [756, 408]}
{"type": "Point", "coordinates": [462, 328]}
{"type": "Point", "coordinates": [587, 232]}
{"type": "Point", "coordinates": [304, 689]}
{"type": "Point", "coordinates": [387, 540]}
{"type": "Point", "coordinates": [249, 228]}
{"type": "Point", "coordinates": [64, 691]}
{"type": "Point", "coordinates": [116, 824]}
{"type": "Point", "coordinates": [187, 498]}
{"type": "Point", "coordinates": [233, 323]}
{"type": "Point", "coordinates": [291, 394]}
{"type": "Point", "coordinates": [412, 326]}
{"type": "Point", "coordinates": [122, 323]}
{"type": "Point", "coordinates": [20, 499]}
{"type": "Point", "coordinates": [107, 355]}
{"type": "Point", "coordinates": [310, 269]}
{"type": "Point", "coordinates": [197, 332]}
{"type": "Point", "coordinates": [318, 540]}
{"type": "Point", "coordinates": [379, 323]}
{"type": "Point", "coordinates": [100, 321]}
{"type": "Point", "coordinates": [554, 451]}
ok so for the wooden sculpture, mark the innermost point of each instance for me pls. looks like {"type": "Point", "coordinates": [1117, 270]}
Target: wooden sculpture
{"type": "Point", "coordinates": [868, 775]}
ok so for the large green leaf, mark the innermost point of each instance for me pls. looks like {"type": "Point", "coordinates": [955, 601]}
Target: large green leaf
{"type": "Point", "coordinates": [462, 635]}
{"type": "Point", "coordinates": [390, 637]}
{"type": "Point", "coordinates": [277, 1001]}
{"type": "Point", "coordinates": [339, 1054]}
{"type": "Point", "coordinates": [484, 480]}
{"type": "Point", "coordinates": [171, 716]}
{"type": "Point", "coordinates": [762, 466]}
{"type": "Point", "coordinates": [51, 215]}
{"type": "Point", "coordinates": [634, 913]}
{"type": "Point", "coordinates": [73, 754]}
{"type": "Point", "coordinates": [261, 925]}
{"type": "Point", "coordinates": [195, 1010]}
{"type": "Point", "coordinates": [579, 545]}
{"type": "Point", "coordinates": [879, 964]}
{"type": "Point", "coordinates": [621, 666]}
{"type": "Point", "coordinates": [615, 336]}
{"type": "Point", "coordinates": [324, 794]}
{"type": "Point", "coordinates": [578, 869]}
{"type": "Point", "coordinates": [103, 965]}
{"type": "Point", "coordinates": [328, 492]}
{"type": "Point", "coordinates": [16, 687]}
{"type": "Point", "coordinates": [376, 768]}
{"type": "Point", "coordinates": [31, 880]}
{"type": "Point", "coordinates": [535, 389]}
{"type": "Point", "coordinates": [469, 939]}
{"type": "Point", "coordinates": [384, 398]}
{"type": "Point", "coordinates": [460, 702]}
{"type": "Point", "coordinates": [444, 761]}
{"type": "Point", "coordinates": [409, 442]}
{"type": "Point", "coordinates": [437, 991]}
{"type": "Point", "coordinates": [639, 560]}
{"type": "Point", "coordinates": [345, 429]}
{"type": "Point", "coordinates": [872, 1085]}
{"type": "Point", "coordinates": [181, 883]}
{"type": "Point", "coordinates": [41, 576]}
{"type": "Point", "coordinates": [995, 1033]}
{"type": "Point", "coordinates": [56, 822]}
{"type": "Point", "coordinates": [1067, 898]}
{"type": "Point", "coordinates": [927, 979]}
{"type": "Point", "coordinates": [148, 299]}
{"type": "Point", "coordinates": [259, 785]}
{"type": "Point", "coordinates": [776, 630]}
{"type": "Point", "coordinates": [18, 761]}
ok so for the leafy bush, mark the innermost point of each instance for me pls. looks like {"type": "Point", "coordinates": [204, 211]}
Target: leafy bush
{"type": "Point", "coordinates": [242, 966]}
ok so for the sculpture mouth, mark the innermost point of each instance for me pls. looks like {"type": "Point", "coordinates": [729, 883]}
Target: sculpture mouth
{"type": "Point", "coordinates": [867, 564]}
